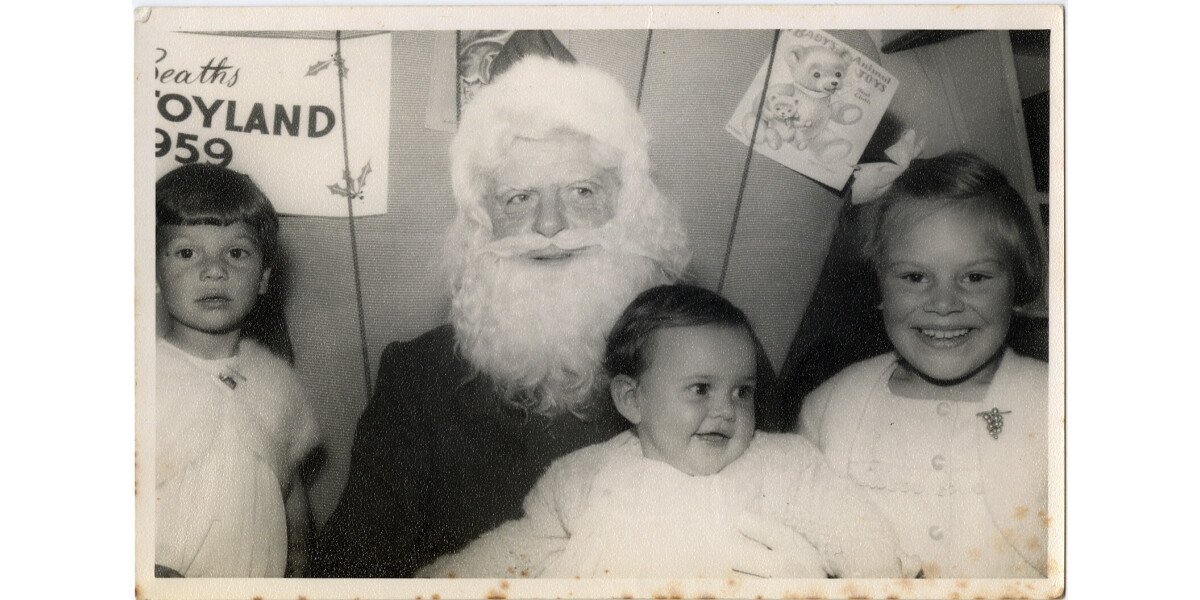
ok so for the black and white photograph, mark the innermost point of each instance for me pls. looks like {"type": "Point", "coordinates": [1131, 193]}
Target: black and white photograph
{"type": "Point", "coordinates": [592, 302]}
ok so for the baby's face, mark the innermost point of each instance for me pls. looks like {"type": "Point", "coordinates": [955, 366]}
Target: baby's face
{"type": "Point", "coordinates": [947, 297]}
{"type": "Point", "coordinates": [696, 399]}
{"type": "Point", "coordinates": [210, 277]}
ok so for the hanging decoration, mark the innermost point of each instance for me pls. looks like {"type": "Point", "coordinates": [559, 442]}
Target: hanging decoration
{"type": "Point", "coordinates": [821, 106]}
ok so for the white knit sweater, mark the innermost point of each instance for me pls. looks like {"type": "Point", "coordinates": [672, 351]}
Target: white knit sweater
{"type": "Point", "coordinates": [607, 511]}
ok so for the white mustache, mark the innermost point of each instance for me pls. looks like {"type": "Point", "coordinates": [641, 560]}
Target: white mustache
{"type": "Point", "coordinates": [568, 240]}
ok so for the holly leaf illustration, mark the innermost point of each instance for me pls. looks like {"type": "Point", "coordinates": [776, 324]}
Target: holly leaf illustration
{"type": "Point", "coordinates": [339, 190]}
{"type": "Point", "coordinates": [362, 177]}
{"type": "Point", "coordinates": [318, 67]}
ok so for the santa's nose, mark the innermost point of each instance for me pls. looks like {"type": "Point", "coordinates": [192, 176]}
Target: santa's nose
{"type": "Point", "coordinates": [550, 218]}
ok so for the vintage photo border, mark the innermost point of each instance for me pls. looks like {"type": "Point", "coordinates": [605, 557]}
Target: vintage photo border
{"type": "Point", "coordinates": [154, 21]}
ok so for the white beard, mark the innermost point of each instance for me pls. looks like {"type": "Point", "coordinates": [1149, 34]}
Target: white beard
{"type": "Point", "coordinates": [538, 328]}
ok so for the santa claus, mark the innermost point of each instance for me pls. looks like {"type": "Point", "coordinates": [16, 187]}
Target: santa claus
{"type": "Point", "coordinates": [558, 227]}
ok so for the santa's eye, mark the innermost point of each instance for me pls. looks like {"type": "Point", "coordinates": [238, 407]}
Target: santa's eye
{"type": "Point", "coordinates": [516, 200]}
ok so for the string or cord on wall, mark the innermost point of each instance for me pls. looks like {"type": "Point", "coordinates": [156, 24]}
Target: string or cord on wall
{"type": "Point", "coordinates": [645, 63]}
{"type": "Point", "coordinates": [358, 296]}
{"type": "Point", "coordinates": [457, 83]}
{"type": "Point", "coordinates": [737, 208]}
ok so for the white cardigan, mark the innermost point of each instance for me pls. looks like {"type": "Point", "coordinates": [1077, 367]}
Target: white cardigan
{"type": "Point", "coordinates": [1014, 467]}
{"type": "Point", "coordinates": [608, 511]}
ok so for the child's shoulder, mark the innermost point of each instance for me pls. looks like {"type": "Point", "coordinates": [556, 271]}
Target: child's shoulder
{"type": "Point", "coordinates": [255, 357]}
{"type": "Point", "coordinates": [1027, 366]}
{"type": "Point", "coordinates": [273, 380]}
{"type": "Point", "coordinates": [860, 373]}
{"type": "Point", "coordinates": [866, 368]}
{"type": "Point", "coordinates": [577, 470]}
{"type": "Point", "coordinates": [621, 444]}
{"type": "Point", "coordinates": [769, 445]}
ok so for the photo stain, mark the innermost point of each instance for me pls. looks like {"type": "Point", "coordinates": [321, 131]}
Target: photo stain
{"type": "Point", "coordinates": [1020, 512]}
{"type": "Point", "coordinates": [672, 593]}
{"type": "Point", "coordinates": [851, 592]}
{"type": "Point", "coordinates": [496, 595]}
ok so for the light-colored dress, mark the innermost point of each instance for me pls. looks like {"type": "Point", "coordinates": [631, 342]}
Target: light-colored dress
{"type": "Point", "coordinates": [969, 505]}
{"type": "Point", "coordinates": [608, 511]}
{"type": "Point", "coordinates": [229, 434]}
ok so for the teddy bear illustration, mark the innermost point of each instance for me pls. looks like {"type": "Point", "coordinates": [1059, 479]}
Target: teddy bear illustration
{"type": "Point", "coordinates": [777, 125]}
{"type": "Point", "coordinates": [819, 73]}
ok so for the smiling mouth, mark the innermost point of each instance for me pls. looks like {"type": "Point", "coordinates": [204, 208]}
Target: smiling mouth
{"type": "Point", "coordinates": [945, 334]}
{"type": "Point", "coordinates": [713, 437]}
{"type": "Point", "coordinates": [946, 338]}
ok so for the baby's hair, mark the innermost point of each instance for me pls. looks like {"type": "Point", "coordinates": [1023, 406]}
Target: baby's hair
{"type": "Point", "coordinates": [961, 181]}
{"type": "Point", "coordinates": [204, 194]}
{"type": "Point", "coordinates": [666, 306]}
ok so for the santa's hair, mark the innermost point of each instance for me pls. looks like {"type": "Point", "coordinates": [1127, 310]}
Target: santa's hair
{"type": "Point", "coordinates": [542, 98]}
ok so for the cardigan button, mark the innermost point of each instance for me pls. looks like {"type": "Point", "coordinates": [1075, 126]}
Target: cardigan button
{"type": "Point", "coordinates": [943, 409]}
{"type": "Point", "coordinates": [936, 533]}
{"type": "Point", "coordinates": [938, 462]}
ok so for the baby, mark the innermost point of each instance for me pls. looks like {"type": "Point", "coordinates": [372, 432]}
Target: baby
{"type": "Point", "coordinates": [948, 433]}
{"type": "Point", "coordinates": [672, 497]}
{"type": "Point", "coordinates": [232, 421]}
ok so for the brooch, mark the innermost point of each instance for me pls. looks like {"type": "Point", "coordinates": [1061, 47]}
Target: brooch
{"type": "Point", "coordinates": [230, 378]}
{"type": "Point", "coordinates": [995, 421]}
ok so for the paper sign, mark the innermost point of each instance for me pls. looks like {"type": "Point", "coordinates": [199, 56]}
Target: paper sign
{"type": "Point", "coordinates": [272, 108]}
{"type": "Point", "coordinates": [823, 105]}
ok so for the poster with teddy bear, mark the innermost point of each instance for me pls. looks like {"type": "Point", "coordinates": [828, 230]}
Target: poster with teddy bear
{"type": "Point", "coordinates": [824, 101]}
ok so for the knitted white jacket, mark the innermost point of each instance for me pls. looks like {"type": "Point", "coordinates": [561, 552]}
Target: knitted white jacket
{"type": "Point", "coordinates": [607, 511]}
